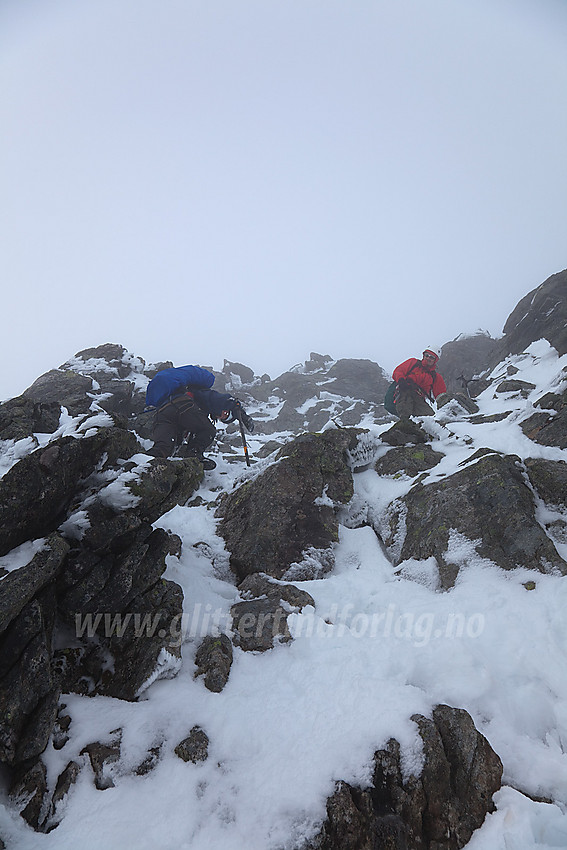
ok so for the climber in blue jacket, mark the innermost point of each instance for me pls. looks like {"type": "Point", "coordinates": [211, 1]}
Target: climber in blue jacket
{"type": "Point", "coordinates": [186, 410]}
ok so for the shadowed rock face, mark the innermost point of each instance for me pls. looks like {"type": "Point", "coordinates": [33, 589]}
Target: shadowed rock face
{"type": "Point", "coordinates": [269, 522]}
{"type": "Point", "coordinates": [36, 493]}
{"type": "Point", "coordinates": [20, 417]}
{"type": "Point", "coordinates": [110, 568]}
{"type": "Point", "coordinates": [62, 386]}
{"type": "Point", "coordinates": [541, 314]}
{"type": "Point", "coordinates": [465, 356]}
{"type": "Point", "coordinates": [438, 810]}
{"type": "Point", "coordinates": [549, 428]}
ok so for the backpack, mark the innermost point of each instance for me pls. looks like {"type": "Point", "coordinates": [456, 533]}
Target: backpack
{"type": "Point", "coordinates": [170, 382]}
{"type": "Point", "coordinates": [389, 403]}
{"type": "Point", "coordinates": [389, 398]}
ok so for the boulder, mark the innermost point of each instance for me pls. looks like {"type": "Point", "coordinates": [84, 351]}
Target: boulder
{"type": "Point", "coordinates": [548, 428]}
{"type": "Point", "coordinates": [195, 747]}
{"type": "Point", "coordinates": [489, 503]}
{"type": "Point", "coordinates": [267, 523]}
{"type": "Point", "coordinates": [257, 623]}
{"type": "Point", "coordinates": [462, 404]}
{"type": "Point", "coordinates": [404, 432]}
{"type": "Point", "coordinates": [549, 478]}
{"type": "Point", "coordinates": [522, 388]}
{"type": "Point", "coordinates": [258, 585]}
{"type": "Point", "coordinates": [262, 617]}
{"type": "Point", "coordinates": [29, 792]}
{"type": "Point", "coordinates": [102, 758]}
{"type": "Point", "coordinates": [213, 661]}
{"type": "Point", "coordinates": [148, 644]}
{"type": "Point", "coordinates": [64, 387]}
{"type": "Point", "coordinates": [407, 460]}
{"type": "Point", "coordinates": [21, 417]}
{"type": "Point", "coordinates": [361, 379]}
{"type": "Point", "coordinates": [36, 493]}
{"type": "Point", "coordinates": [438, 810]}
{"type": "Point", "coordinates": [65, 782]}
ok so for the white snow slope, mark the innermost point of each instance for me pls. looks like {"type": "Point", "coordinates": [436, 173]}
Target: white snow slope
{"type": "Point", "coordinates": [380, 645]}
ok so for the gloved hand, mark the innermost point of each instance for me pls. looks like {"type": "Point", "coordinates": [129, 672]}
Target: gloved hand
{"type": "Point", "coordinates": [242, 416]}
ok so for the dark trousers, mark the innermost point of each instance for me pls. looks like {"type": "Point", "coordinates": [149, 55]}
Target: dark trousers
{"type": "Point", "coordinates": [176, 419]}
{"type": "Point", "coordinates": [409, 402]}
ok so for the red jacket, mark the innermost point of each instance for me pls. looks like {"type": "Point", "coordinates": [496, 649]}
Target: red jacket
{"type": "Point", "coordinates": [427, 383]}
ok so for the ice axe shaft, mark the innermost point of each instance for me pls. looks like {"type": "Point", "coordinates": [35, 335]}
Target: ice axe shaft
{"type": "Point", "coordinates": [245, 447]}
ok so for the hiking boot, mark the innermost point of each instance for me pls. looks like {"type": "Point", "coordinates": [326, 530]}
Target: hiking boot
{"type": "Point", "coordinates": [190, 452]}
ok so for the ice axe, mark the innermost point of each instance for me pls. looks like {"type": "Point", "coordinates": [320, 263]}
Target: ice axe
{"type": "Point", "coordinates": [244, 446]}
{"type": "Point", "coordinates": [241, 415]}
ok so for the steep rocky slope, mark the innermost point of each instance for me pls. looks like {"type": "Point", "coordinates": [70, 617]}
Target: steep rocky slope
{"type": "Point", "coordinates": [93, 599]}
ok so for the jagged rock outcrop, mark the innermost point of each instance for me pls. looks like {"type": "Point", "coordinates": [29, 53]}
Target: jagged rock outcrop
{"type": "Point", "coordinates": [21, 417]}
{"type": "Point", "coordinates": [489, 503]}
{"type": "Point", "coordinates": [108, 377]}
{"type": "Point", "coordinates": [549, 480]}
{"type": "Point", "coordinates": [541, 314]}
{"type": "Point", "coordinates": [95, 580]}
{"type": "Point", "coordinates": [309, 395]}
{"type": "Point", "coordinates": [62, 386]}
{"type": "Point", "coordinates": [549, 428]}
{"type": "Point", "coordinates": [437, 810]}
{"type": "Point", "coordinates": [463, 358]}
{"type": "Point", "coordinates": [29, 688]}
{"type": "Point", "coordinates": [268, 523]}
{"type": "Point", "coordinates": [36, 493]}
{"type": "Point", "coordinates": [404, 432]}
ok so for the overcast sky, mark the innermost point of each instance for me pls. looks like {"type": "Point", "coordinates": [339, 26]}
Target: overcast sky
{"type": "Point", "coordinates": [258, 179]}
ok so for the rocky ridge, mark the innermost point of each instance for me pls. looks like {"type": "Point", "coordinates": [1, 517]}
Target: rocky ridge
{"type": "Point", "coordinates": [79, 499]}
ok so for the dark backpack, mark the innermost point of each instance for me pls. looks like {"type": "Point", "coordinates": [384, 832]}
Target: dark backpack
{"type": "Point", "coordinates": [389, 398]}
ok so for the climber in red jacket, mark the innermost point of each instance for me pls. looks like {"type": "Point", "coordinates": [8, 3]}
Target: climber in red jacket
{"type": "Point", "coordinates": [416, 381]}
